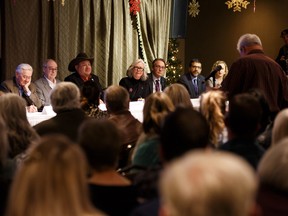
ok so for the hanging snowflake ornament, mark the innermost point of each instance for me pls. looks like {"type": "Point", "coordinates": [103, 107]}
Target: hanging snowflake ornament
{"type": "Point", "coordinates": [237, 4]}
{"type": "Point", "coordinates": [193, 8]}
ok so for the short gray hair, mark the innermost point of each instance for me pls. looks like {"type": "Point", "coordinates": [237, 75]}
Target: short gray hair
{"type": "Point", "coordinates": [22, 67]}
{"type": "Point", "coordinates": [131, 67]}
{"type": "Point", "coordinates": [248, 40]}
{"type": "Point", "coordinates": [65, 96]}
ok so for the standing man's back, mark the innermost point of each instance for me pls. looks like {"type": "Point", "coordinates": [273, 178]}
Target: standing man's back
{"type": "Point", "coordinates": [256, 70]}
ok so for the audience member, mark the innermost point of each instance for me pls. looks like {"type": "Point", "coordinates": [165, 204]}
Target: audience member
{"type": "Point", "coordinates": [47, 82]}
{"type": "Point", "coordinates": [20, 134]}
{"type": "Point", "coordinates": [81, 68]}
{"type": "Point", "coordinates": [192, 80]}
{"type": "Point", "coordinates": [272, 173]}
{"type": "Point", "coordinates": [117, 104]}
{"type": "Point", "coordinates": [243, 122]}
{"type": "Point", "coordinates": [109, 191]}
{"type": "Point", "coordinates": [65, 101]}
{"type": "Point", "coordinates": [156, 80]}
{"type": "Point", "coordinates": [179, 135]}
{"type": "Point", "coordinates": [282, 58]}
{"type": "Point", "coordinates": [205, 184]}
{"type": "Point", "coordinates": [256, 70]}
{"type": "Point", "coordinates": [179, 95]}
{"type": "Point", "coordinates": [52, 181]}
{"type": "Point", "coordinates": [21, 85]}
{"type": "Point", "coordinates": [219, 75]}
{"type": "Point", "coordinates": [136, 81]}
{"type": "Point", "coordinates": [90, 99]}
{"type": "Point", "coordinates": [213, 108]}
{"type": "Point", "coordinates": [280, 127]}
{"type": "Point", "coordinates": [156, 107]}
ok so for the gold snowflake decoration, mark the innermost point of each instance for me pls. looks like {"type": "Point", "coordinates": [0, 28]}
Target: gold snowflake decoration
{"type": "Point", "coordinates": [237, 4]}
{"type": "Point", "coordinates": [193, 8]}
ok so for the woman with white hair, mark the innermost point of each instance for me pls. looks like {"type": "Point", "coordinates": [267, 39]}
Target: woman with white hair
{"type": "Point", "coordinates": [136, 81]}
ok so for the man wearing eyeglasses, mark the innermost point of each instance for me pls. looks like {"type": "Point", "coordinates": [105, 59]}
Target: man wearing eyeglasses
{"type": "Point", "coordinates": [21, 84]}
{"type": "Point", "coordinates": [192, 80]}
{"type": "Point", "coordinates": [156, 81]}
{"type": "Point", "coordinates": [47, 82]}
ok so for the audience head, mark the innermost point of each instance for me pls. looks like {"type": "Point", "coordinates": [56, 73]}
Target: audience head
{"type": "Point", "coordinates": [195, 67]}
{"type": "Point", "coordinates": [100, 141]}
{"type": "Point", "coordinates": [90, 93]}
{"type": "Point", "coordinates": [213, 106]}
{"type": "Point", "coordinates": [65, 96]}
{"type": "Point", "coordinates": [158, 67]}
{"type": "Point", "coordinates": [50, 69]}
{"type": "Point", "coordinates": [82, 64]}
{"type": "Point", "coordinates": [52, 181]}
{"type": "Point", "coordinates": [247, 42]}
{"type": "Point", "coordinates": [280, 127]}
{"type": "Point", "coordinates": [204, 184]}
{"type": "Point", "coordinates": [156, 107]}
{"type": "Point", "coordinates": [19, 132]}
{"type": "Point", "coordinates": [224, 69]}
{"type": "Point", "coordinates": [116, 99]}
{"type": "Point", "coordinates": [183, 130]}
{"type": "Point", "coordinates": [23, 74]}
{"type": "Point", "coordinates": [284, 35]}
{"type": "Point", "coordinates": [179, 95]}
{"type": "Point", "coordinates": [137, 70]}
{"type": "Point", "coordinates": [244, 116]}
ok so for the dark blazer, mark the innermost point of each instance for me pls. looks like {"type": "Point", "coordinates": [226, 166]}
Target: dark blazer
{"type": "Point", "coordinates": [43, 90]}
{"type": "Point", "coordinates": [75, 78]}
{"type": "Point", "coordinates": [186, 80]}
{"type": "Point", "coordinates": [150, 83]}
{"type": "Point", "coordinates": [12, 87]}
{"type": "Point", "coordinates": [65, 122]}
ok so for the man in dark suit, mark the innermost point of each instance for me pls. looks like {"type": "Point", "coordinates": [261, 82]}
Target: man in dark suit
{"type": "Point", "coordinates": [192, 80]}
{"type": "Point", "coordinates": [47, 82]}
{"type": "Point", "coordinates": [21, 84]}
{"type": "Point", "coordinates": [156, 80]}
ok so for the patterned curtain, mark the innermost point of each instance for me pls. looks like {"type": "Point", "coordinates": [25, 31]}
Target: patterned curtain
{"type": "Point", "coordinates": [37, 30]}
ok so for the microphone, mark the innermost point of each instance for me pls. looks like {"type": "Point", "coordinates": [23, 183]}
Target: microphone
{"type": "Point", "coordinates": [212, 73]}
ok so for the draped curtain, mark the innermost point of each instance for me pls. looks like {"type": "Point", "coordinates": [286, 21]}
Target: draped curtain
{"type": "Point", "coordinates": [37, 30]}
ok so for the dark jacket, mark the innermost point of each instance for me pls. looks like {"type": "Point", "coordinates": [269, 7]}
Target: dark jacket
{"type": "Point", "coordinates": [151, 83]}
{"type": "Point", "coordinates": [136, 88]}
{"type": "Point", "coordinates": [186, 80]}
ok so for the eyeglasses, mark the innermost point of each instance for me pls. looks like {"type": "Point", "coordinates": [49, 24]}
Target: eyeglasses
{"type": "Point", "coordinates": [199, 67]}
{"type": "Point", "coordinates": [51, 69]}
{"type": "Point", "coordinates": [160, 67]}
{"type": "Point", "coordinates": [138, 68]}
{"type": "Point", "coordinates": [26, 77]}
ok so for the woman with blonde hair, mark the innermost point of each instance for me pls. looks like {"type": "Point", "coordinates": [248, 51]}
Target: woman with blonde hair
{"type": "Point", "coordinates": [179, 95]}
{"type": "Point", "coordinates": [219, 75]}
{"type": "Point", "coordinates": [213, 108]}
{"type": "Point", "coordinates": [52, 181]}
{"type": "Point", "coordinates": [136, 80]}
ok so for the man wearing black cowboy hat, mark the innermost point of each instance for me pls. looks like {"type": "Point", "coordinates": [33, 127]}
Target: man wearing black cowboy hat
{"type": "Point", "coordinates": [81, 66]}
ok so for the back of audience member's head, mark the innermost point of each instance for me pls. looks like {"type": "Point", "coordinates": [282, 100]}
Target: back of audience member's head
{"type": "Point", "coordinates": [213, 108]}
{"type": "Point", "coordinates": [90, 93]}
{"type": "Point", "coordinates": [65, 96]}
{"type": "Point", "coordinates": [244, 116]}
{"type": "Point", "coordinates": [100, 141]}
{"type": "Point", "coordinates": [203, 184]}
{"type": "Point", "coordinates": [183, 130]}
{"type": "Point", "coordinates": [179, 95]}
{"type": "Point", "coordinates": [280, 127]}
{"type": "Point", "coordinates": [52, 181]}
{"type": "Point", "coordinates": [116, 99]}
{"type": "Point", "coordinates": [273, 167]}
{"type": "Point", "coordinates": [20, 134]}
{"type": "Point", "coordinates": [156, 107]}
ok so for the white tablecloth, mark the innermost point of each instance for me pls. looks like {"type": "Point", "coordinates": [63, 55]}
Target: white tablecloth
{"type": "Point", "coordinates": [136, 109]}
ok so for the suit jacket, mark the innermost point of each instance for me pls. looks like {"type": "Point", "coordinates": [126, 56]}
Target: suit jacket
{"type": "Point", "coordinates": [186, 80]}
{"type": "Point", "coordinates": [150, 83]}
{"type": "Point", "coordinates": [43, 90]}
{"type": "Point", "coordinates": [12, 87]}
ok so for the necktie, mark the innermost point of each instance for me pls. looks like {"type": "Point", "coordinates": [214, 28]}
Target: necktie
{"type": "Point", "coordinates": [195, 85]}
{"type": "Point", "coordinates": [157, 85]}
